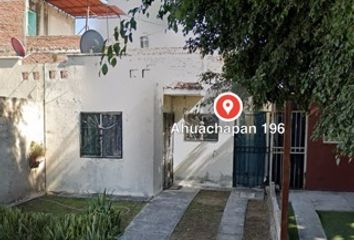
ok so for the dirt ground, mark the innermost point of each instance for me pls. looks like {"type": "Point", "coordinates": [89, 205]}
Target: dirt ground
{"type": "Point", "coordinates": [202, 218]}
{"type": "Point", "coordinates": [257, 221]}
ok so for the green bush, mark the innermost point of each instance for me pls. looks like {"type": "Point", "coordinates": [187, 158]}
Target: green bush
{"type": "Point", "coordinates": [100, 222]}
{"type": "Point", "coordinates": [36, 150]}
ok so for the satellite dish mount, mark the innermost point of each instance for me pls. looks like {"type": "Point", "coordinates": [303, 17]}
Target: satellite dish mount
{"type": "Point", "coordinates": [91, 42]}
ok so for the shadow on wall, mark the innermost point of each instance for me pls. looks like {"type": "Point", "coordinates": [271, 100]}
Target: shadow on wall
{"type": "Point", "coordinates": [60, 172]}
{"type": "Point", "coordinates": [70, 173]}
{"type": "Point", "coordinates": [201, 164]}
{"type": "Point", "coordinates": [17, 131]}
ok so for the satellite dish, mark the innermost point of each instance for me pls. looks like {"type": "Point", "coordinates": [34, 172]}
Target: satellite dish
{"type": "Point", "coordinates": [18, 47]}
{"type": "Point", "coordinates": [91, 42]}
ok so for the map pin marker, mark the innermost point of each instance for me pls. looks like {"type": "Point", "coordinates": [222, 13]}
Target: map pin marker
{"type": "Point", "coordinates": [228, 105]}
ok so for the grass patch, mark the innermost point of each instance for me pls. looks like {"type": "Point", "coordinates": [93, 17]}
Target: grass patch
{"type": "Point", "coordinates": [257, 221]}
{"type": "Point", "coordinates": [292, 225]}
{"type": "Point", "coordinates": [60, 206]}
{"type": "Point", "coordinates": [338, 225]}
{"type": "Point", "coordinates": [99, 221]}
{"type": "Point", "coordinates": [202, 218]}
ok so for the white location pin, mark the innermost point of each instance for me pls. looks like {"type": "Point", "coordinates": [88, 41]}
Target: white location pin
{"type": "Point", "coordinates": [228, 105]}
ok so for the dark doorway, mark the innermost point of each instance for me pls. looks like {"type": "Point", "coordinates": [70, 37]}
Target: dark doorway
{"type": "Point", "coordinates": [168, 121]}
{"type": "Point", "coordinates": [250, 152]}
{"type": "Point", "coordinates": [253, 153]}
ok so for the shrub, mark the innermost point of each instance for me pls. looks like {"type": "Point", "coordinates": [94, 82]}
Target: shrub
{"type": "Point", "coordinates": [36, 151]}
{"type": "Point", "coordinates": [100, 222]}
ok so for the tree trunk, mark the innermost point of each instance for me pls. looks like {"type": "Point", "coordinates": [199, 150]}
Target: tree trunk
{"type": "Point", "coordinates": [286, 172]}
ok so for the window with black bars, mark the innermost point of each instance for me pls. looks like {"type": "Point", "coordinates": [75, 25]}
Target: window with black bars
{"type": "Point", "coordinates": [101, 135]}
{"type": "Point", "coordinates": [195, 120]}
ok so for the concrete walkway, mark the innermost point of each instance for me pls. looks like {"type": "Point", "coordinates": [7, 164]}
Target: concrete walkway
{"type": "Point", "coordinates": [233, 219]}
{"type": "Point", "coordinates": [305, 204]}
{"type": "Point", "coordinates": [159, 218]}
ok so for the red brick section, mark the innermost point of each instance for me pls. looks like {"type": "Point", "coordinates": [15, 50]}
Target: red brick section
{"type": "Point", "coordinates": [12, 19]}
{"type": "Point", "coordinates": [40, 58]}
{"type": "Point", "coordinates": [12, 13]}
{"type": "Point", "coordinates": [50, 49]}
{"type": "Point", "coordinates": [53, 43]}
{"type": "Point", "coordinates": [322, 171]}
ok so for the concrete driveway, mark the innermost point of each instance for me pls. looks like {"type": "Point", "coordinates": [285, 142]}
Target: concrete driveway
{"type": "Point", "coordinates": [306, 203]}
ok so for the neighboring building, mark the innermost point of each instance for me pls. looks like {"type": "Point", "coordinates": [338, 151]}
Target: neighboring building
{"type": "Point", "coordinates": [12, 24]}
{"type": "Point", "coordinates": [151, 32]}
{"type": "Point", "coordinates": [47, 27]}
{"type": "Point", "coordinates": [323, 171]}
{"type": "Point", "coordinates": [114, 132]}
{"type": "Point", "coordinates": [43, 29]}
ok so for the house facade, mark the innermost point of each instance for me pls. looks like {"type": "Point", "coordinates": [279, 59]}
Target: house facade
{"type": "Point", "coordinates": [115, 133]}
{"type": "Point", "coordinates": [73, 94]}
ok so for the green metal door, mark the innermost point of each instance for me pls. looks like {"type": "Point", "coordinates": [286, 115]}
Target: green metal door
{"type": "Point", "coordinates": [250, 152]}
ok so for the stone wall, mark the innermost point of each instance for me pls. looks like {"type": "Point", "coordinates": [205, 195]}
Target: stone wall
{"type": "Point", "coordinates": [274, 215]}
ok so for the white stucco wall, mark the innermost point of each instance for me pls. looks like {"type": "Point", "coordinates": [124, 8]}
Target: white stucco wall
{"type": "Point", "coordinates": [60, 23]}
{"type": "Point", "coordinates": [84, 91]}
{"type": "Point", "coordinates": [200, 163]}
{"type": "Point", "coordinates": [139, 172]}
{"type": "Point", "coordinates": [53, 22]}
{"type": "Point", "coordinates": [139, 99]}
{"type": "Point", "coordinates": [153, 27]}
{"type": "Point", "coordinates": [21, 123]}
{"type": "Point", "coordinates": [204, 163]}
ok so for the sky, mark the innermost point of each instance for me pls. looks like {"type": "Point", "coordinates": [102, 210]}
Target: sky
{"type": "Point", "coordinates": [155, 29]}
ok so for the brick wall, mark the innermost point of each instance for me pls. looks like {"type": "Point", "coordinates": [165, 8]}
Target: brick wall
{"type": "Point", "coordinates": [12, 13]}
{"type": "Point", "coordinates": [50, 49]}
{"type": "Point", "coordinates": [53, 43]}
{"type": "Point", "coordinates": [12, 19]}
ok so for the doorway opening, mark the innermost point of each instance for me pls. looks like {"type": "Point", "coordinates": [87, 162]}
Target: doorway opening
{"type": "Point", "coordinates": [168, 121]}
{"type": "Point", "coordinates": [257, 156]}
{"type": "Point", "coordinates": [175, 106]}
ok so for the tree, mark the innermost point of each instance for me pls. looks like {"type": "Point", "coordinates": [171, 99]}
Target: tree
{"type": "Point", "coordinates": [280, 51]}
{"type": "Point", "coordinates": [301, 51]}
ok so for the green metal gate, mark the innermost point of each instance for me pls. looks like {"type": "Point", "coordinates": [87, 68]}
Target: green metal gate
{"type": "Point", "coordinates": [250, 152]}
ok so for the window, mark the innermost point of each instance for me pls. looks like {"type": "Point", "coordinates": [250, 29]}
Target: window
{"type": "Point", "coordinates": [101, 135]}
{"type": "Point", "coordinates": [145, 72]}
{"type": "Point", "coordinates": [133, 73]}
{"type": "Point", "coordinates": [196, 126]}
{"type": "Point", "coordinates": [32, 18]}
{"type": "Point", "coordinates": [31, 23]}
{"type": "Point", "coordinates": [144, 41]}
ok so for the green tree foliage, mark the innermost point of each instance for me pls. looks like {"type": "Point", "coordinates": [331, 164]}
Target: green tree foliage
{"type": "Point", "coordinates": [278, 50]}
